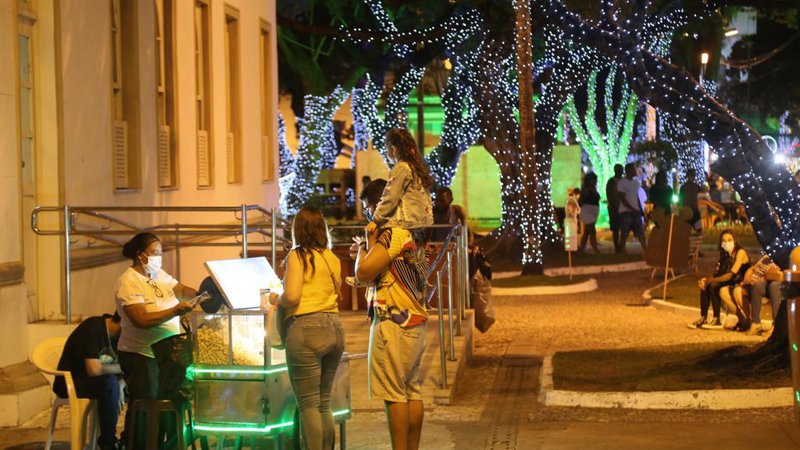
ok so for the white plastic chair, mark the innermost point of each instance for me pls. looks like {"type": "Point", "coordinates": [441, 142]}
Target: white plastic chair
{"type": "Point", "coordinates": [45, 357]}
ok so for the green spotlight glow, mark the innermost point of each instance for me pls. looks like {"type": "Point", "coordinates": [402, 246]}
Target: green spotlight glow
{"type": "Point", "coordinates": [674, 198]}
{"type": "Point", "coordinates": [794, 346]}
{"type": "Point", "coordinates": [243, 427]}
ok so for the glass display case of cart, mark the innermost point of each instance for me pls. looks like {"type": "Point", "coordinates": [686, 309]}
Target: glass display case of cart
{"type": "Point", "coordinates": [239, 380]}
{"type": "Point", "coordinates": [233, 339]}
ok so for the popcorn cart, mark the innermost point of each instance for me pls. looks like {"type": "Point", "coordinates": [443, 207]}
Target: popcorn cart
{"type": "Point", "coordinates": [241, 385]}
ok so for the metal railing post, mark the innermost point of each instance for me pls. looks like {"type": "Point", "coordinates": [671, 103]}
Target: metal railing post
{"type": "Point", "coordinates": [457, 291]}
{"type": "Point", "coordinates": [178, 251]}
{"type": "Point", "coordinates": [67, 279]}
{"type": "Point", "coordinates": [244, 231]}
{"type": "Point", "coordinates": [442, 358]}
{"type": "Point", "coordinates": [274, 237]}
{"type": "Point", "coordinates": [462, 279]}
{"type": "Point", "coordinates": [452, 340]}
{"type": "Point", "coordinates": [467, 296]}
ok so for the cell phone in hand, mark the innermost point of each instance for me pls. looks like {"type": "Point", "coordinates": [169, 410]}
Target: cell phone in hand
{"type": "Point", "coordinates": [200, 299]}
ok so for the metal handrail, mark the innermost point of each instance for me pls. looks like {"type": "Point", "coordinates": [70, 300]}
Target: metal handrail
{"type": "Point", "coordinates": [447, 253]}
{"type": "Point", "coordinates": [267, 226]}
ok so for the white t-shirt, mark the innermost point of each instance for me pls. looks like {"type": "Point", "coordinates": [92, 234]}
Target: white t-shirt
{"type": "Point", "coordinates": [630, 189]}
{"type": "Point", "coordinates": [134, 288]}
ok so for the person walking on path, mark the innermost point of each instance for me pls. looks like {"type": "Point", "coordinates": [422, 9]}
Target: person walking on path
{"type": "Point", "coordinates": [688, 197]}
{"type": "Point", "coordinates": [613, 205]}
{"type": "Point", "coordinates": [661, 193]}
{"type": "Point", "coordinates": [630, 209]}
{"type": "Point", "coordinates": [589, 207]}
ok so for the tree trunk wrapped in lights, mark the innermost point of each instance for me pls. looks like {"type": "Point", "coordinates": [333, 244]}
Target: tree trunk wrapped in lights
{"type": "Point", "coordinates": [460, 128]}
{"type": "Point", "coordinates": [769, 193]}
{"type": "Point", "coordinates": [745, 160]}
{"type": "Point", "coordinates": [316, 150]}
{"type": "Point", "coordinates": [610, 148]}
{"type": "Point", "coordinates": [365, 107]}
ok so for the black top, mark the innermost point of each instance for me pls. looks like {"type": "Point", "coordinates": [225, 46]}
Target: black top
{"type": "Point", "coordinates": [611, 194]}
{"type": "Point", "coordinates": [661, 196]}
{"type": "Point", "coordinates": [589, 198]}
{"type": "Point", "coordinates": [689, 191]}
{"type": "Point", "coordinates": [88, 341]}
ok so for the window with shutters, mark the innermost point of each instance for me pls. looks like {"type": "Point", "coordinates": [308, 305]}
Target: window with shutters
{"type": "Point", "coordinates": [267, 115]}
{"type": "Point", "coordinates": [202, 62]}
{"type": "Point", "coordinates": [27, 105]}
{"type": "Point", "coordinates": [233, 101]}
{"type": "Point", "coordinates": [126, 159]}
{"type": "Point", "coordinates": [165, 95]}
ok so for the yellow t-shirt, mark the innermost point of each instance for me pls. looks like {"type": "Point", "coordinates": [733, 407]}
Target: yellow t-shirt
{"type": "Point", "coordinates": [319, 293]}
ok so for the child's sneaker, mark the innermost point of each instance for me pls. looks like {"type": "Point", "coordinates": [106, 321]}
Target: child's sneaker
{"type": "Point", "coordinates": [351, 281]}
{"type": "Point", "coordinates": [698, 324]}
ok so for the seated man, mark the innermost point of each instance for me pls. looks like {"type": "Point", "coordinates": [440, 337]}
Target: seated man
{"type": "Point", "coordinates": [89, 354]}
{"type": "Point", "coordinates": [760, 280]}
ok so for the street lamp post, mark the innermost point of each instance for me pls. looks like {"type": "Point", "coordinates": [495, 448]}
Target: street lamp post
{"type": "Point", "coordinates": [703, 61]}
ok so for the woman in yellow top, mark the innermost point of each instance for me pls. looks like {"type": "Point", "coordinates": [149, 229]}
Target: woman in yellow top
{"type": "Point", "coordinates": [314, 334]}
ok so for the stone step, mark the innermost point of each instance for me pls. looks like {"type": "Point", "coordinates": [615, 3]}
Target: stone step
{"type": "Point", "coordinates": [24, 391]}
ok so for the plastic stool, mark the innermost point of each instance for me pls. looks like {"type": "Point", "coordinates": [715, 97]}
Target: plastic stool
{"type": "Point", "coordinates": [153, 409]}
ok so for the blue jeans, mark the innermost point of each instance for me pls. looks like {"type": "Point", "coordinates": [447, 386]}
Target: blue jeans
{"type": "Point", "coordinates": [758, 291]}
{"type": "Point", "coordinates": [314, 345]}
{"type": "Point", "coordinates": [105, 389]}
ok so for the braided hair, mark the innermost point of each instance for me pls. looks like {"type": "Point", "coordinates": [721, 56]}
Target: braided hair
{"type": "Point", "coordinates": [407, 152]}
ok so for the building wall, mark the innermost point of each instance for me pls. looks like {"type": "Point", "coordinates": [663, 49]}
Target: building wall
{"type": "Point", "coordinates": [13, 303]}
{"type": "Point", "coordinates": [74, 118]}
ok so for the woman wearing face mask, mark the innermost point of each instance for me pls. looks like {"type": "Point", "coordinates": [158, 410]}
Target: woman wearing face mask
{"type": "Point", "coordinates": [733, 263]}
{"type": "Point", "coordinates": [150, 303]}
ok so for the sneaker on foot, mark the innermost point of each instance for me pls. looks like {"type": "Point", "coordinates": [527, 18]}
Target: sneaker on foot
{"type": "Point", "coordinates": [713, 325]}
{"type": "Point", "coordinates": [698, 324]}
{"type": "Point", "coordinates": [351, 281]}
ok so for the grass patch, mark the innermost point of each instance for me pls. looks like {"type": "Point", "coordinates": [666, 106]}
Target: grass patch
{"type": "Point", "coordinates": [672, 368]}
{"type": "Point", "coordinates": [538, 280]}
{"type": "Point", "coordinates": [684, 291]}
{"type": "Point", "coordinates": [744, 232]}
{"type": "Point", "coordinates": [561, 259]}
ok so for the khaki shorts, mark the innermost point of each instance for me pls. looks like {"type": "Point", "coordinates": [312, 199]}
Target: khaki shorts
{"type": "Point", "coordinates": [395, 357]}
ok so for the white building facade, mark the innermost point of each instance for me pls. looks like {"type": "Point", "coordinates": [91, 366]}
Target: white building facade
{"type": "Point", "coordinates": [123, 103]}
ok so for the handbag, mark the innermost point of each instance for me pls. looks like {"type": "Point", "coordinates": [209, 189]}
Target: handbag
{"type": "Point", "coordinates": [174, 355]}
{"type": "Point", "coordinates": [276, 327]}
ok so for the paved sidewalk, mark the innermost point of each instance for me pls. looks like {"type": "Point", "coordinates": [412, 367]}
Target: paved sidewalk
{"type": "Point", "coordinates": [497, 408]}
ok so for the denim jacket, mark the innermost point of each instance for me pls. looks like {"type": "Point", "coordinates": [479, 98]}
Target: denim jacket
{"type": "Point", "coordinates": [405, 202]}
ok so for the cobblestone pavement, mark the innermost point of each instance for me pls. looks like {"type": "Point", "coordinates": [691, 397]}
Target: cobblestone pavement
{"type": "Point", "coordinates": [497, 406]}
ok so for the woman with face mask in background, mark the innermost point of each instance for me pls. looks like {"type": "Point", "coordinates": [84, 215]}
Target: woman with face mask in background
{"type": "Point", "coordinates": [150, 303]}
{"type": "Point", "coordinates": [733, 263]}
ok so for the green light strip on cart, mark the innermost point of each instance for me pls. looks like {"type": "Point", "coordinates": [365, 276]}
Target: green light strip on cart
{"type": "Point", "coordinates": [241, 371]}
{"type": "Point", "coordinates": [243, 427]}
